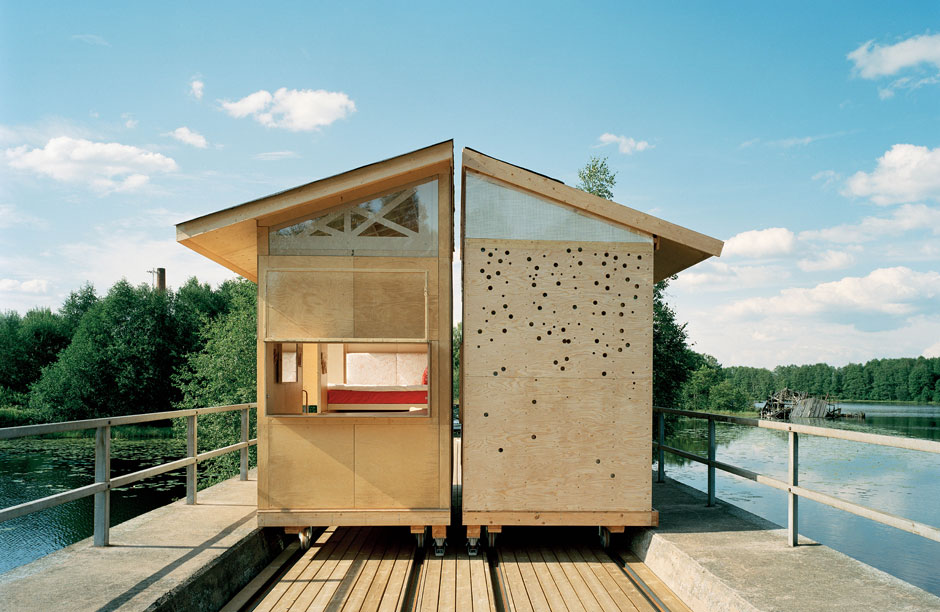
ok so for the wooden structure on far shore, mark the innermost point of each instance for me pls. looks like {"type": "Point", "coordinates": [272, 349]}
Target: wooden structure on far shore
{"type": "Point", "coordinates": [354, 341]}
{"type": "Point", "coordinates": [556, 368]}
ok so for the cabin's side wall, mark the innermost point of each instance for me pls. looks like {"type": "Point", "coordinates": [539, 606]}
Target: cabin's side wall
{"type": "Point", "coordinates": [557, 370]}
{"type": "Point", "coordinates": [353, 470]}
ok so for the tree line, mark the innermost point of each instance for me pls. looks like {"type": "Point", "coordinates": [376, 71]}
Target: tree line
{"type": "Point", "coordinates": [882, 380]}
{"type": "Point", "coordinates": [132, 350]}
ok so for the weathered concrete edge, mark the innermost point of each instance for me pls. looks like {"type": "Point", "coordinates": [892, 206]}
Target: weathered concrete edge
{"type": "Point", "coordinates": [681, 572]}
{"type": "Point", "coordinates": [214, 584]}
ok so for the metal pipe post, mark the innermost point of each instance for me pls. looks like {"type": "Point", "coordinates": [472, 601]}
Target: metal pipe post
{"type": "Point", "coordinates": [191, 452]}
{"type": "Point", "coordinates": [243, 453]}
{"type": "Point", "coordinates": [793, 499]}
{"type": "Point", "coordinates": [102, 474]}
{"type": "Point", "coordinates": [711, 463]}
{"type": "Point", "coordinates": [660, 423]}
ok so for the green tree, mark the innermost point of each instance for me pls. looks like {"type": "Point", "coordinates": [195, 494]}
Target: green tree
{"type": "Point", "coordinates": [75, 306]}
{"type": "Point", "coordinates": [673, 360]}
{"type": "Point", "coordinates": [597, 178]}
{"type": "Point", "coordinates": [222, 372]}
{"type": "Point", "coordinates": [457, 343]}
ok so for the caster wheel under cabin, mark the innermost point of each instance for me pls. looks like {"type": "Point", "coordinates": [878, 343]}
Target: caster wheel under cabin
{"type": "Point", "coordinates": [306, 537]}
{"type": "Point", "coordinates": [473, 546]}
{"type": "Point", "coordinates": [604, 535]}
{"type": "Point", "coordinates": [439, 547]}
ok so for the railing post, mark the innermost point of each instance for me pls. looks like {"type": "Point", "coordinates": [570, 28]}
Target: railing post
{"type": "Point", "coordinates": [793, 499]}
{"type": "Point", "coordinates": [661, 435]}
{"type": "Point", "coordinates": [102, 537]}
{"type": "Point", "coordinates": [243, 453]}
{"type": "Point", "coordinates": [191, 452]}
{"type": "Point", "coordinates": [711, 462]}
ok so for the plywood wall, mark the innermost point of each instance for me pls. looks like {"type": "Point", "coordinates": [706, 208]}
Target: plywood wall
{"type": "Point", "coordinates": [557, 375]}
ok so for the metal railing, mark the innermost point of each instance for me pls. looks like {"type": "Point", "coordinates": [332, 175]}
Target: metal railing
{"type": "Point", "coordinates": [104, 483]}
{"type": "Point", "coordinates": [794, 491]}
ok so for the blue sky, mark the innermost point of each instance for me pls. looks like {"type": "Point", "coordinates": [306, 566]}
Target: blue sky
{"type": "Point", "coordinates": [808, 136]}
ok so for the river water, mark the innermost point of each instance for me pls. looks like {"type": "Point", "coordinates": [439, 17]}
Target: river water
{"type": "Point", "coordinates": [902, 482]}
{"type": "Point", "coordinates": [31, 468]}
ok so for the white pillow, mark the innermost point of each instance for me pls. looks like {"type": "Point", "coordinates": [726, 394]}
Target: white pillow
{"type": "Point", "coordinates": [411, 368]}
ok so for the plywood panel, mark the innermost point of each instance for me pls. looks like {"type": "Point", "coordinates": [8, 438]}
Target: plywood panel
{"type": "Point", "coordinates": [557, 376]}
{"type": "Point", "coordinates": [396, 466]}
{"type": "Point", "coordinates": [389, 304]}
{"type": "Point", "coordinates": [309, 304]}
{"type": "Point", "coordinates": [310, 465]}
{"type": "Point", "coordinates": [427, 264]}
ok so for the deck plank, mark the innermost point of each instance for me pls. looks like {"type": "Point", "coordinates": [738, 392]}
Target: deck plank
{"type": "Point", "coordinates": [395, 589]}
{"type": "Point", "coordinates": [339, 540]}
{"type": "Point", "coordinates": [532, 584]}
{"type": "Point", "coordinates": [546, 580]}
{"type": "Point", "coordinates": [611, 586]}
{"type": "Point", "coordinates": [447, 592]}
{"type": "Point", "coordinates": [582, 587]}
{"type": "Point", "coordinates": [352, 571]}
{"type": "Point", "coordinates": [290, 577]}
{"type": "Point", "coordinates": [433, 568]}
{"type": "Point", "coordinates": [357, 595]}
{"type": "Point", "coordinates": [482, 601]}
{"type": "Point", "coordinates": [383, 572]}
{"type": "Point", "coordinates": [562, 583]}
{"type": "Point", "coordinates": [518, 596]}
{"type": "Point", "coordinates": [321, 587]}
{"type": "Point", "coordinates": [464, 585]}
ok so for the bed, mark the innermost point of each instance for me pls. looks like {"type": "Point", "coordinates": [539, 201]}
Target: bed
{"type": "Point", "coordinates": [381, 382]}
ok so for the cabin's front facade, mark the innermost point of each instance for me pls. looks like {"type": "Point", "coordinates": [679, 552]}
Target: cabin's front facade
{"type": "Point", "coordinates": [354, 341]}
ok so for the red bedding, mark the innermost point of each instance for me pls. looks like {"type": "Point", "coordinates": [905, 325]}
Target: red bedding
{"type": "Point", "coordinates": [346, 396]}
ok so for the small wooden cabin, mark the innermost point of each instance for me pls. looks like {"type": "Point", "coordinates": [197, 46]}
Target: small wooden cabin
{"type": "Point", "coordinates": [556, 368]}
{"type": "Point", "coordinates": [354, 341]}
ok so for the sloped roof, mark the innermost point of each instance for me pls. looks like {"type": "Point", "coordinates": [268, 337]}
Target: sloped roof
{"type": "Point", "coordinates": [230, 236]}
{"type": "Point", "coordinates": [678, 248]}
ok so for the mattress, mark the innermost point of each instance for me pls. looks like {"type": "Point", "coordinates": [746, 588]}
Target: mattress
{"type": "Point", "coordinates": [377, 394]}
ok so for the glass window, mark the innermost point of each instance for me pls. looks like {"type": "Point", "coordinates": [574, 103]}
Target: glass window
{"type": "Point", "coordinates": [495, 210]}
{"type": "Point", "coordinates": [403, 223]}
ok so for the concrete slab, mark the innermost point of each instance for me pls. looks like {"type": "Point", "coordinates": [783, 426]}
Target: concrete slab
{"type": "Point", "coordinates": [724, 558]}
{"type": "Point", "coordinates": [152, 559]}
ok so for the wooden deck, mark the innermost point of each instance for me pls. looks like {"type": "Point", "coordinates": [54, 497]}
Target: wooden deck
{"type": "Point", "coordinates": [348, 568]}
{"type": "Point", "coordinates": [545, 568]}
{"type": "Point", "coordinates": [455, 582]}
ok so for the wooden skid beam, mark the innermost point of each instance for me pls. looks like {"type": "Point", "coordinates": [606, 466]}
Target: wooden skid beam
{"type": "Point", "coordinates": [629, 519]}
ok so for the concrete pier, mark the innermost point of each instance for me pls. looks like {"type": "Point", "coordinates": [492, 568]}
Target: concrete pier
{"type": "Point", "coordinates": [724, 558]}
{"type": "Point", "coordinates": [177, 557]}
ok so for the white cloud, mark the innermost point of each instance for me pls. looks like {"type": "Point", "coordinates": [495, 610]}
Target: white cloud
{"type": "Point", "coordinates": [11, 217]}
{"type": "Point", "coordinates": [873, 60]}
{"type": "Point", "coordinates": [91, 39]}
{"type": "Point", "coordinates": [749, 143]}
{"type": "Point", "coordinates": [905, 173]}
{"type": "Point", "coordinates": [828, 177]}
{"type": "Point", "coordinates": [885, 290]}
{"type": "Point", "coordinates": [830, 260]}
{"type": "Point", "coordinates": [35, 285]}
{"type": "Point", "coordinates": [188, 136]}
{"type": "Point", "coordinates": [627, 146]}
{"type": "Point", "coordinates": [275, 155]}
{"type": "Point", "coordinates": [905, 218]}
{"type": "Point", "coordinates": [129, 121]}
{"type": "Point", "coordinates": [196, 88]}
{"type": "Point", "coordinates": [716, 276]}
{"type": "Point", "coordinates": [104, 166]}
{"type": "Point", "coordinates": [297, 110]}
{"type": "Point", "coordinates": [932, 351]}
{"type": "Point", "coordinates": [769, 242]}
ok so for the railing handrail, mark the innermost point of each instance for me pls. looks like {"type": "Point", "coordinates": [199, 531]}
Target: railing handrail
{"type": "Point", "coordinates": [104, 483]}
{"type": "Point", "coordinates": [792, 488]}
{"type": "Point", "coordinates": [9, 433]}
{"type": "Point", "coordinates": [919, 444]}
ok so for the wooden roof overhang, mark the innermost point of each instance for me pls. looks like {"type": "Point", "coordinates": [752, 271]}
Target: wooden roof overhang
{"type": "Point", "coordinates": [677, 248]}
{"type": "Point", "coordinates": [230, 236]}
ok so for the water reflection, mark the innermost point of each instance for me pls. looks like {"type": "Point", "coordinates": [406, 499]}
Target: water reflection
{"type": "Point", "coordinates": [898, 481]}
{"type": "Point", "coordinates": [32, 468]}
